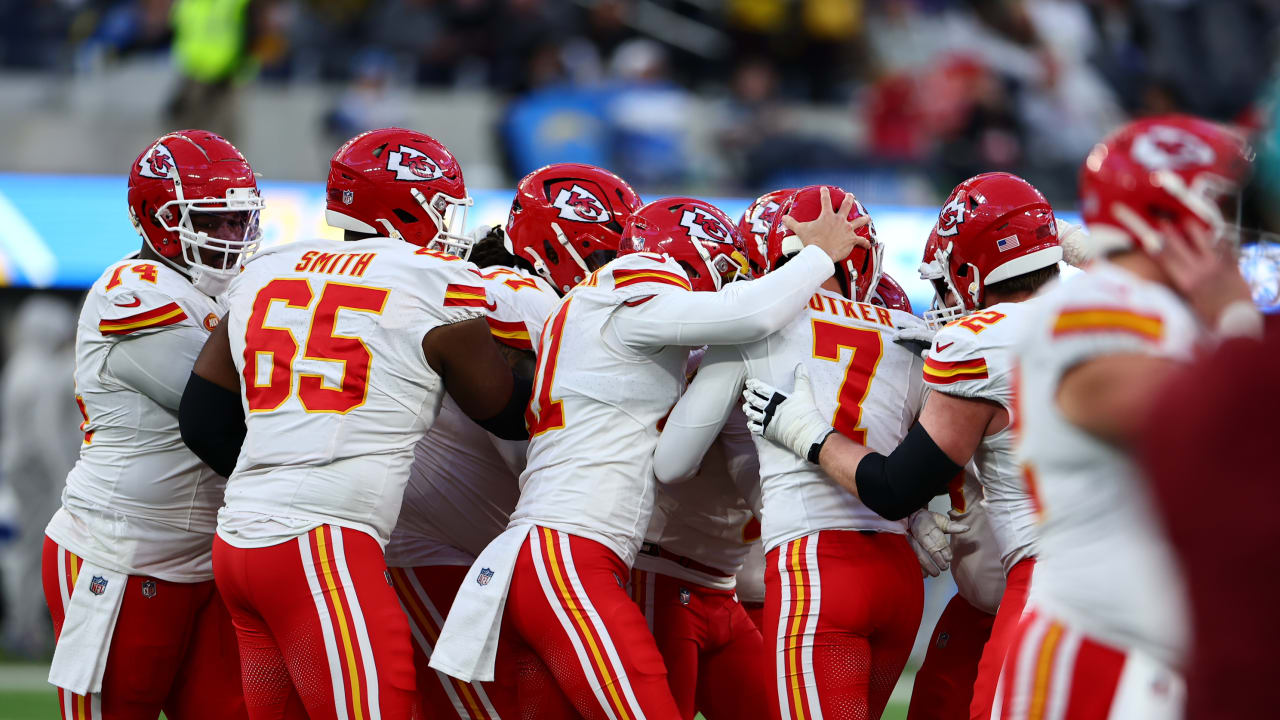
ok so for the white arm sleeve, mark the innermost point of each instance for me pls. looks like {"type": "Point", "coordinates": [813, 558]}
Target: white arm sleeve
{"type": "Point", "coordinates": [157, 364]}
{"type": "Point", "coordinates": [697, 418]}
{"type": "Point", "coordinates": [741, 312]}
{"type": "Point", "coordinates": [741, 458]}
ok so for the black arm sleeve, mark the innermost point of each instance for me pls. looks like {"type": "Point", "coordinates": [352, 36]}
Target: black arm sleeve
{"type": "Point", "coordinates": [212, 423]}
{"type": "Point", "coordinates": [508, 424]}
{"type": "Point", "coordinates": [898, 485]}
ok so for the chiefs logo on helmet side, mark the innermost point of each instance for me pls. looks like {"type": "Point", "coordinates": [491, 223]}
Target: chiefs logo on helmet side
{"type": "Point", "coordinates": [704, 226]}
{"type": "Point", "coordinates": [952, 216]}
{"type": "Point", "coordinates": [579, 204]}
{"type": "Point", "coordinates": [762, 218]}
{"type": "Point", "coordinates": [158, 163]}
{"type": "Point", "coordinates": [1165, 147]}
{"type": "Point", "coordinates": [413, 165]}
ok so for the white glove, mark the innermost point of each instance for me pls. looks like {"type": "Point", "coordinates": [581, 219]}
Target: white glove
{"type": "Point", "coordinates": [1077, 246]}
{"type": "Point", "coordinates": [792, 422]}
{"type": "Point", "coordinates": [929, 531]}
{"type": "Point", "coordinates": [916, 338]}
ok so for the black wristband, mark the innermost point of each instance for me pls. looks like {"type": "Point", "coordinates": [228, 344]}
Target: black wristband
{"type": "Point", "coordinates": [815, 450]}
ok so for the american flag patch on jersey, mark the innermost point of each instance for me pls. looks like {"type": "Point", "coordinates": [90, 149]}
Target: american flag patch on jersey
{"type": "Point", "coordinates": [1008, 243]}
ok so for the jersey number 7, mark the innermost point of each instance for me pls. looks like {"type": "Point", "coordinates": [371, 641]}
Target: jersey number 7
{"type": "Point", "coordinates": [321, 344]}
{"type": "Point", "coordinates": [866, 346]}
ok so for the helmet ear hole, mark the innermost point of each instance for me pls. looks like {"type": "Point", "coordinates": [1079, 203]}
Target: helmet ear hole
{"type": "Point", "coordinates": [550, 252]}
{"type": "Point", "coordinates": [688, 269]}
{"type": "Point", "coordinates": [404, 216]}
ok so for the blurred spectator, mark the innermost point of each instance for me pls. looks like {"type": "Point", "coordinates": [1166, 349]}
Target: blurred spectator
{"type": "Point", "coordinates": [369, 103]}
{"type": "Point", "coordinates": [648, 116]}
{"type": "Point", "coordinates": [38, 447]}
{"type": "Point", "coordinates": [211, 41]}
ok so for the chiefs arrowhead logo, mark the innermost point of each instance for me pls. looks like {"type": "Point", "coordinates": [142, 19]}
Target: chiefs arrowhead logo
{"type": "Point", "coordinates": [704, 226]}
{"type": "Point", "coordinates": [157, 163]}
{"type": "Point", "coordinates": [413, 165]}
{"type": "Point", "coordinates": [1164, 147]}
{"type": "Point", "coordinates": [762, 218]}
{"type": "Point", "coordinates": [577, 203]}
{"type": "Point", "coordinates": [951, 217]}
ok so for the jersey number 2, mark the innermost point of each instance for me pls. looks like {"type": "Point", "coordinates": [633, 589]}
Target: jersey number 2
{"type": "Point", "coordinates": [321, 344]}
{"type": "Point", "coordinates": [866, 346]}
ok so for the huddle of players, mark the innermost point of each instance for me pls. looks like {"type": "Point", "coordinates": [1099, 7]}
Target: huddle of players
{"type": "Point", "coordinates": [520, 486]}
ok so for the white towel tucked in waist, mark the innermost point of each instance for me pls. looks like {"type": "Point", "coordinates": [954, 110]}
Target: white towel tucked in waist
{"type": "Point", "coordinates": [468, 645]}
{"type": "Point", "coordinates": [80, 658]}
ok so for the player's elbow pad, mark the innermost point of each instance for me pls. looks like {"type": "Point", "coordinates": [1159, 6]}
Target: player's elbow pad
{"type": "Point", "coordinates": [212, 423]}
{"type": "Point", "coordinates": [508, 424]}
{"type": "Point", "coordinates": [898, 485]}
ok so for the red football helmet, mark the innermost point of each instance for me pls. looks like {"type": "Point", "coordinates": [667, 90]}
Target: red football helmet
{"type": "Point", "coordinates": [193, 196]}
{"type": "Point", "coordinates": [1002, 227]}
{"type": "Point", "coordinates": [754, 227]}
{"type": "Point", "coordinates": [563, 214]}
{"type": "Point", "coordinates": [696, 234]}
{"type": "Point", "coordinates": [891, 295]}
{"type": "Point", "coordinates": [401, 184]}
{"type": "Point", "coordinates": [1175, 168]}
{"type": "Point", "coordinates": [861, 270]}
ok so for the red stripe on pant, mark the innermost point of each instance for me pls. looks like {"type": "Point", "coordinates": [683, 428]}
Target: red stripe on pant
{"type": "Point", "coordinates": [714, 653]}
{"type": "Point", "coordinates": [321, 632]}
{"type": "Point", "coordinates": [568, 606]}
{"type": "Point", "coordinates": [1012, 604]}
{"type": "Point", "coordinates": [943, 688]}
{"type": "Point", "coordinates": [1054, 672]}
{"type": "Point", "coordinates": [842, 608]}
{"type": "Point", "coordinates": [427, 593]}
{"type": "Point", "coordinates": [173, 648]}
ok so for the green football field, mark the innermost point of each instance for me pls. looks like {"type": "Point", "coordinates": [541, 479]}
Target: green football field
{"type": "Point", "coordinates": [24, 696]}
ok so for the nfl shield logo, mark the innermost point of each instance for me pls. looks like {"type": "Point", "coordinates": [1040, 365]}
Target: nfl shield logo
{"type": "Point", "coordinates": [148, 588]}
{"type": "Point", "coordinates": [98, 585]}
{"type": "Point", "coordinates": [484, 577]}
{"type": "Point", "coordinates": [684, 596]}
{"type": "Point", "coordinates": [348, 196]}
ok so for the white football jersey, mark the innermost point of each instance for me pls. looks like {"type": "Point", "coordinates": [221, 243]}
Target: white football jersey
{"type": "Point", "coordinates": [973, 357]}
{"type": "Point", "coordinates": [138, 501]}
{"type": "Point", "coordinates": [328, 339]}
{"type": "Point", "coordinates": [611, 364]}
{"type": "Point", "coordinates": [871, 387]}
{"type": "Point", "coordinates": [1104, 566]}
{"type": "Point", "coordinates": [705, 519]}
{"type": "Point", "coordinates": [597, 404]}
{"type": "Point", "coordinates": [464, 482]}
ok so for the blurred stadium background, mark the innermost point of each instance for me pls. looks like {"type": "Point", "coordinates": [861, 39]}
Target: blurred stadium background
{"type": "Point", "coordinates": [896, 100]}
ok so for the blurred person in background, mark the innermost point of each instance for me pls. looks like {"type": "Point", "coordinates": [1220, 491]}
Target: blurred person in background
{"type": "Point", "coordinates": [38, 445]}
{"type": "Point", "coordinates": [211, 46]}
{"type": "Point", "coordinates": [648, 114]}
{"type": "Point", "coordinates": [1105, 632]}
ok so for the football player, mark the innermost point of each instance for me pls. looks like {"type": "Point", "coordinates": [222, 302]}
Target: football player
{"type": "Point", "coordinates": [839, 645]}
{"type": "Point", "coordinates": [464, 482]}
{"type": "Point", "coordinates": [333, 361]}
{"type": "Point", "coordinates": [1106, 632]}
{"type": "Point", "coordinates": [994, 245]}
{"type": "Point", "coordinates": [128, 571]}
{"type": "Point", "coordinates": [611, 364]}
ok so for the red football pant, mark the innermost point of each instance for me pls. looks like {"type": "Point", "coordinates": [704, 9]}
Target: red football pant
{"type": "Point", "coordinates": [173, 649]}
{"type": "Point", "coordinates": [1053, 672]}
{"type": "Point", "coordinates": [321, 633]}
{"type": "Point", "coordinates": [714, 653]}
{"type": "Point", "coordinates": [427, 593]}
{"type": "Point", "coordinates": [843, 608]}
{"type": "Point", "coordinates": [568, 605]}
{"type": "Point", "coordinates": [943, 688]}
{"type": "Point", "coordinates": [1012, 604]}
{"type": "Point", "coordinates": [755, 611]}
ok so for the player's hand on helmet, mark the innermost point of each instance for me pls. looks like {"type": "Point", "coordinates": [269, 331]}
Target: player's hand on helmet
{"type": "Point", "coordinates": [929, 531]}
{"type": "Point", "coordinates": [1077, 246]}
{"type": "Point", "coordinates": [831, 230]}
{"type": "Point", "coordinates": [1205, 272]}
{"type": "Point", "coordinates": [916, 338]}
{"type": "Point", "coordinates": [790, 421]}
